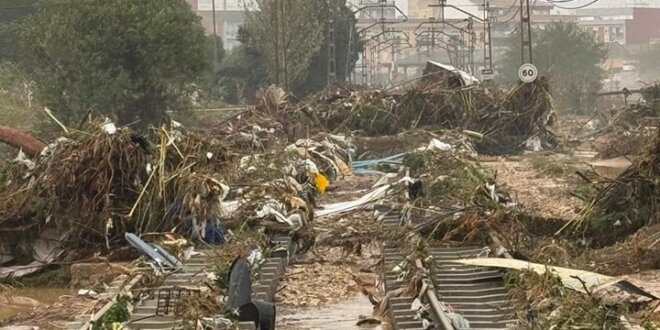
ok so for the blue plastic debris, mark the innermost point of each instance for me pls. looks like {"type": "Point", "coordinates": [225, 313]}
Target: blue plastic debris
{"type": "Point", "coordinates": [215, 232]}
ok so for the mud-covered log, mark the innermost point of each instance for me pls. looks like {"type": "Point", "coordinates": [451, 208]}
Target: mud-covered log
{"type": "Point", "coordinates": [21, 140]}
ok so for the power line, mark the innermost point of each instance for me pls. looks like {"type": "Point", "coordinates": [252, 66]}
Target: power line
{"type": "Point", "coordinates": [512, 16]}
{"type": "Point", "coordinates": [554, 2]}
{"type": "Point", "coordinates": [509, 10]}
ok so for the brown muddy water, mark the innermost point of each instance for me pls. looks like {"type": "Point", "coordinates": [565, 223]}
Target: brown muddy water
{"type": "Point", "coordinates": [342, 315]}
{"type": "Point", "coordinates": [22, 300]}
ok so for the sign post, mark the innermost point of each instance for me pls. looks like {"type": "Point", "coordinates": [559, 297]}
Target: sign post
{"type": "Point", "coordinates": [528, 73]}
{"type": "Point", "coordinates": [487, 74]}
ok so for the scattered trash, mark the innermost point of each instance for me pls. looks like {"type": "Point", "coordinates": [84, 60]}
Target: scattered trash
{"type": "Point", "coordinates": [88, 293]}
{"type": "Point", "coordinates": [162, 258]}
{"type": "Point", "coordinates": [109, 127]}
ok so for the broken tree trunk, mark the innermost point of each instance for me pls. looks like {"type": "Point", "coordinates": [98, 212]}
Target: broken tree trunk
{"type": "Point", "coordinates": [21, 140]}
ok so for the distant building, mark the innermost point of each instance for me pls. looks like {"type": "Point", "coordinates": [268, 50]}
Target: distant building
{"type": "Point", "coordinates": [506, 17]}
{"type": "Point", "coordinates": [626, 26]}
{"type": "Point", "coordinates": [371, 9]}
{"type": "Point", "coordinates": [229, 16]}
{"type": "Point", "coordinates": [619, 3]}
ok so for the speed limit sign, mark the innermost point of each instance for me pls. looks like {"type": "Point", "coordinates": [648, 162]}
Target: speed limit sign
{"type": "Point", "coordinates": [528, 73]}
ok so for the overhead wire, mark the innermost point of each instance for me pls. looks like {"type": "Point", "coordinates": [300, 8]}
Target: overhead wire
{"type": "Point", "coordinates": [509, 10]}
{"type": "Point", "coordinates": [554, 2]}
{"type": "Point", "coordinates": [512, 16]}
{"type": "Point", "coordinates": [519, 25]}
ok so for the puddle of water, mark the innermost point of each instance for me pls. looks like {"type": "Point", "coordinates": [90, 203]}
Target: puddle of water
{"type": "Point", "coordinates": [27, 299]}
{"type": "Point", "coordinates": [343, 315]}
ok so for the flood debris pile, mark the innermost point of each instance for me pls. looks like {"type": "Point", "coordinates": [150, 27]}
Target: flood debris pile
{"type": "Point", "coordinates": [507, 121]}
{"type": "Point", "coordinates": [523, 117]}
{"type": "Point", "coordinates": [544, 302]}
{"type": "Point", "coordinates": [439, 185]}
{"type": "Point", "coordinates": [456, 194]}
{"type": "Point", "coordinates": [626, 130]}
{"type": "Point", "coordinates": [627, 204]}
{"type": "Point", "coordinates": [275, 120]}
{"type": "Point", "coordinates": [177, 188]}
{"type": "Point", "coordinates": [648, 107]}
{"type": "Point", "coordinates": [94, 186]}
{"type": "Point", "coordinates": [99, 184]}
{"type": "Point", "coordinates": [277, 190]}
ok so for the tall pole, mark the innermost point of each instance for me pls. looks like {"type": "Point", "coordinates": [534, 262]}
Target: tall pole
{"type": "Point", "coordinates": [488, 50]}
{"type": "Point", "coordinates": [332, 54]}
{"type": "Point", "coordinates": [471, 46]}
{"type": "Point", "coordinates": [525, 32]}
{"type": "Point", "coordinates": [429, 42]}
{"type": "Point", "coordinates": [215, 39]}
{"type": "Point", "coordinates": [347, 65]}
{"type": "Point", "coordinates": [284, 44]}
{"type": "Point", "coordinates": [277, 41]}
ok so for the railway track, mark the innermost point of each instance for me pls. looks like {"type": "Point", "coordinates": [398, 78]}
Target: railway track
{"type": "Point", "coordinates": [159, 305]}
{"type": "Point", "coordinates": [477, 294]}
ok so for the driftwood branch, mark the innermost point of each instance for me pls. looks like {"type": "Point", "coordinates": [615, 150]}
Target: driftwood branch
{"type": "Point", "coordinates": [21, 140]}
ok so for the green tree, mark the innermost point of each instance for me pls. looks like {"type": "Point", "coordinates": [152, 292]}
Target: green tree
{"type": "Point", "coordinates": [567, 55]}
{"type": "Point", "coordinates": [243, 71]}
{"type": "Point", "coordinates": [649, 62]}
{"type": "Point", "coordinates": [348, 47]}
{"type": "Point", "coordinates": [210, 81]}
{"type": "Point", "coordinates": [131, 60]}
{"type": "Point", "coordinates": [250, 66]}
{"type": "Point", "coordinates": [12, 12]}
{"type": "Point", "coordinates": [287, 34]}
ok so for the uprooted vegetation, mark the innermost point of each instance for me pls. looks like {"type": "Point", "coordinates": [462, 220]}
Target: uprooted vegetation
{"type": "Point", "coordinates": [507, 120]}
{"type": "Point", "coordinates": [544, 302]}
{"type": "Point", "coordinates": [616, 232]}
{"type": "Point", "coordinates": [97, 185]}
{"type": "Point", "coordinates": [626, 130]}
{"type": "Point", "coordinates": [627, 204]}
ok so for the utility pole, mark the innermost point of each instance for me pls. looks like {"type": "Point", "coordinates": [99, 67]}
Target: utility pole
{"type": "Point", "coordinates": [277, 41]}
{"type": "Point", "coordinates": [371, 65]}
{"type": "Point", "coordinates": [284, 43]}
{"type": "Point", "coordinates": [428, 36]}
{"type": "Point", "coordinates": [215, 39]}
{"type": "Point", "coordinates": [472, 44]}
{"type": "Point", "coordinates": [487, 73]}
{"type": "Point", "coordinates": [332, 53]}
{"type": "Point", "coordinates": [393, 67]}
{"type": "Point", "coordinates": [365, 77]}
{"type": "Point", "coordinates": [525, 33]}
{"type": "Point", "coordinates": [469, 53]}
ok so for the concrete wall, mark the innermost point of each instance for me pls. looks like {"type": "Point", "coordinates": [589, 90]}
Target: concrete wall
{"type": "Point", "coordinates": [644, 27]}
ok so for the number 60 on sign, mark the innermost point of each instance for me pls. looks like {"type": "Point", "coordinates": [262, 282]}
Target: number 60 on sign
{"type": "Point", "coordinates": [528, 73]}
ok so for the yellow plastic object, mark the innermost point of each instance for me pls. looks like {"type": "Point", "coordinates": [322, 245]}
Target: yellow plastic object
{"type": "Point", "coordinates": [321, 182]}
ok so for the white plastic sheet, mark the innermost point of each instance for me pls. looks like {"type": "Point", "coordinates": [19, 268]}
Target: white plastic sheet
{"type": "Point", "coordinates": [45, 249]}
{"type": "Point", "coordinates": [571, 278]}
{"type": "Point", "coordinates": [337, 208]}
